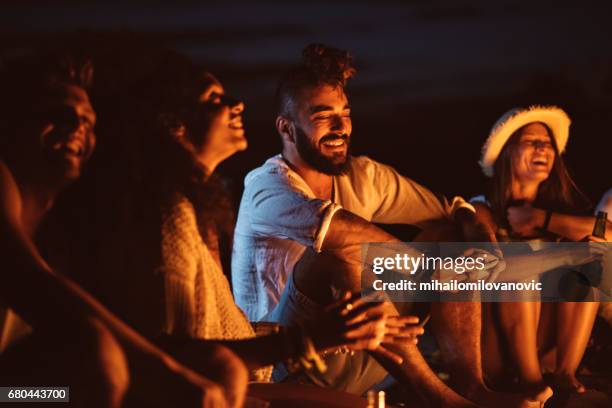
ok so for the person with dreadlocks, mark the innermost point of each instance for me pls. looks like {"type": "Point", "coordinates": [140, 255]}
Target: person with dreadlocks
{"type": "Point", "coordinates": [304, 214]}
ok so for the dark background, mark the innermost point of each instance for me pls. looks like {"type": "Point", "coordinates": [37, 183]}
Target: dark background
{"type": "Point", "coordinates": [433, 75]}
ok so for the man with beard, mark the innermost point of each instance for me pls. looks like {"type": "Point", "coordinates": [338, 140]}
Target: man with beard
{"type": "Point", "coordinates": [303, 216]}
{"type": "Point", "coordinates": [52, 332]}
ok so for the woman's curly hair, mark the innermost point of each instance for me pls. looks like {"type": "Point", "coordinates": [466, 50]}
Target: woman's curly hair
{"type": "Point", "coordinates": [166, 165]}
{"type": "Point", "coordinates": [320, 65]}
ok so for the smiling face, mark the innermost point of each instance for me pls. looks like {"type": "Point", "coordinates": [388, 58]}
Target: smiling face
{"type": "Point", "coordinates": [323, 128]}
{"type": "Point", "coordinates": [63, 130]}
{"type": "Point", "coordinates": [214, 95]}
{"type": "Point", "coordinates": [215, 129]}
{"type": "Point", "coordinates": [534, 155]}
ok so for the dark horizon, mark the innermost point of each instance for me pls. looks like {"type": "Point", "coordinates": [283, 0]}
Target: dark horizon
{"type": "Point", "coordinates": [433, 77]}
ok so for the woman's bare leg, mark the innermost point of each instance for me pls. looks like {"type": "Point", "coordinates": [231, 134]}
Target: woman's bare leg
{"type": "Point", "coordinates": [574, 324]}
{"type": "Point", "coordinates": [518, 322]}
{"type": "Point", "coordinates": [458, 330]}
{"type": "Point", "coordinates": [494, 358]}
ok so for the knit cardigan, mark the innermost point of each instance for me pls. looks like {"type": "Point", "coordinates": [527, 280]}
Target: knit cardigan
{"type": "Point", "coordinates": [198, 299]}
{"type": "Point", "coordinates": [198, 302]}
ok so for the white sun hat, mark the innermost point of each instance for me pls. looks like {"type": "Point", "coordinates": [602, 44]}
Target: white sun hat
{"type": "Point", "coordinates": [553, 117]}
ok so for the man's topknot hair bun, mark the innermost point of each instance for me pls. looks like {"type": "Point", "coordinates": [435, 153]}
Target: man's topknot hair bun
{"type": "Point", "coordinates": [320, 65]}
{"type": "Point", "coordinates": [328, 63]}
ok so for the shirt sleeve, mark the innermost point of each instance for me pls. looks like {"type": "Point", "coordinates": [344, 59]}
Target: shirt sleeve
{"type": "Point", "coordinates": [281, 206]}
{"type": "Point", "coordinates": [404, 201]}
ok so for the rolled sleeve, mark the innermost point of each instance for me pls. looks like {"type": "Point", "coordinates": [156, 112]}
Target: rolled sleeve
{"type": "Point", "coordinates": [458, 203]}
{"type": "Point", "coordinates": [283, 208]}
{"type": "Point", "coordinates": [325, 223]}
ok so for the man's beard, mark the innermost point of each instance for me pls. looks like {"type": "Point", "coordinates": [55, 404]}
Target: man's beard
{"type": "Point", "coordinates": [332, 165]}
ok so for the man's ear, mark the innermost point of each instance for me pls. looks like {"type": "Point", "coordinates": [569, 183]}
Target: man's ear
{"type": "Point", "coordinates": [285, 128]}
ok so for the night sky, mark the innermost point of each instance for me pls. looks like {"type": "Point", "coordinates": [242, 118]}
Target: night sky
{"type": "Point", "coordinates": [433, 75]}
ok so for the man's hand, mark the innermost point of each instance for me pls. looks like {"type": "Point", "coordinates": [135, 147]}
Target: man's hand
{"type": "Point", "coordinates": [399, 330]}
{"type": "Point", "coordinates": [525, 221]}
{"type": "Point", "coordinates": [351, 321]}
{"type": "Point", "coordinates": [362, 323]}
{"type": "Point", "coordinates": [494, 264]}
{"type": "Point", "coordinates": [402, 329]}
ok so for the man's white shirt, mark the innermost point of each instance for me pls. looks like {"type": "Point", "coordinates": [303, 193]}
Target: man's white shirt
{"type": "Point", "coordinates": [280, 216]}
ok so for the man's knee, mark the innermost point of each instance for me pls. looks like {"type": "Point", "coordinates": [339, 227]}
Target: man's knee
{"type": "Point", "coordinates": [315, 273]}
{"type": "Point", "coordinates": [105, 371]}
{"type": "Point", "coordinates": [218, 364]}
{"type": "Point", "coordinates": [229, 371]}
{"type": "Point", "coordinates": [230, 367]}
{"type": "Point", "coordinates": [86, 357]}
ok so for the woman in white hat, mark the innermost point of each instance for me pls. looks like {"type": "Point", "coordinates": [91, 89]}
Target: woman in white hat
{"type": "Point", "coordinates": [522, 156]}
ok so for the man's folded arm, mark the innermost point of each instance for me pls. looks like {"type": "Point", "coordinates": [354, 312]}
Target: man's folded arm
{"type": "Point", "coordinates": [404, 201]}
{"type": "Point", "coordinates": [285, 212]}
